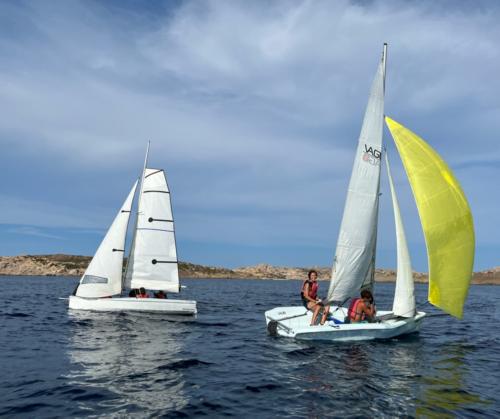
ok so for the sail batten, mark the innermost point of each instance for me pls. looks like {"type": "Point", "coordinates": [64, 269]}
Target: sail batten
{"type": "Point", "coordinates": [103, 276]}
{"type": "Point", "coordinates": [356, 245]}
{"type": "Point", "coordinates": [445, 216]}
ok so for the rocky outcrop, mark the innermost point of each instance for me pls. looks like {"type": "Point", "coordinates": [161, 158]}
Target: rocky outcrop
{"type": "Point", "coordinates": [47, 265]}
{"type": "Point", "coordinates": [490, 276]}
{"type": "Point", "coordinates": [265, 271]}
{"type": "Point", "coordinates": [69, 265]}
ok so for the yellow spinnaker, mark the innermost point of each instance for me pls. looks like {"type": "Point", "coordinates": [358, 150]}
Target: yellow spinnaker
{"type": "Point", "coordinates": [445, 216]}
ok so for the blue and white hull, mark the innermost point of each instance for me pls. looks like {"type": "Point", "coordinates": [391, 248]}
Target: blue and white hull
{"type": "Point", "coordinates": [294, 322]}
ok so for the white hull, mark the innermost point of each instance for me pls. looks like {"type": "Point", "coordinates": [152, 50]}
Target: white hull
{"type": "Point", "coordinates": [294, 322]}
{"type": "Point", "coordinates": [167, 306]}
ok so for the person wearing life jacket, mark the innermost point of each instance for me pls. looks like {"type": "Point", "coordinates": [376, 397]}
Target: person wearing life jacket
{"type": "Point", "coordinates": [142, 293]}
{"type": "Point", "coordinates": [362, 308]}
{"type": "Point", "coordinates": [310, 300]}
{"type": "Point", "coordinates": [160, 294]}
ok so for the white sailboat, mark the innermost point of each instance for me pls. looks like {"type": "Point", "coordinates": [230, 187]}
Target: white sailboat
{"type": "Point", "coordinates": [446, 221]}
{"type": "Point", "coordinates": [152, 261]}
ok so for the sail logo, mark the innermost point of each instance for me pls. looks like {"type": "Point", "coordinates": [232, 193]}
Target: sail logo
{"type": "Point", "coordinates": [372, 155]}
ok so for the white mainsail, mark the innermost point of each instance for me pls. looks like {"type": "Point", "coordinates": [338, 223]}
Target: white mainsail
{"type": "Point", "coordinates": [354, 263]}
{"type": "Point", "coordinates": [103, 276]}
{"type": "Point", "coordinates": [153, 258]}
{"type": "Point", "coordinates": [404, 295]}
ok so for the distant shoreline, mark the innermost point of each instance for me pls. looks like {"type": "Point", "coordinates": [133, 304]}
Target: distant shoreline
{"type": "Point", "coordinates": [74, 265]}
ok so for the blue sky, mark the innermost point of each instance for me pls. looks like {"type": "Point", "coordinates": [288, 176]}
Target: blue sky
{"type": "Point", "coordinates": [254, 110]}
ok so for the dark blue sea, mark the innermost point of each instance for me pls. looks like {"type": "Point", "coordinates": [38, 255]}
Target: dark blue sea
{"type": "Point", "coordinates": [57, 363]}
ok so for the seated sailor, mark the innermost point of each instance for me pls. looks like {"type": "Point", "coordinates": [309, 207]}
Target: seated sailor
{"type": "Point", "coordinates": [309, 295]}
{"type": "Point", "coordinates": [160, 294]}
{"type": "Point", "coordinates": [362, 309]}
{"type": "Point", "coordinates": [142, 293]}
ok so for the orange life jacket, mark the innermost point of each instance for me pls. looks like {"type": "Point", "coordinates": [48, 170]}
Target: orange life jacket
{"type": "Point", "coordinates": [351, 312]}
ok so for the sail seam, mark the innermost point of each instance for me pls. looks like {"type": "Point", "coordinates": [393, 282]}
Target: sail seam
{"type": "Point", "coordinates": [155, 229]}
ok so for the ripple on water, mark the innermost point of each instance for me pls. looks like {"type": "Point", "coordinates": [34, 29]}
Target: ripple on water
{"type": "Point", "coordinates": [60, 363]}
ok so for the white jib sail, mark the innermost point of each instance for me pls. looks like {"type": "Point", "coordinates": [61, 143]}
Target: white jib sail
{"type": "Point", "coordinates": [153, 259]}
{"type": "Point", "coordinates": [404, 295]}
{"type": "Point", "coordinates": [353, 267]}
{"type": "Point", "coordinates": [103, 276]}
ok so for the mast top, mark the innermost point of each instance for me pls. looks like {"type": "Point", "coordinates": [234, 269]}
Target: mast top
{"type": "Point", "coordinates": [384, 59]}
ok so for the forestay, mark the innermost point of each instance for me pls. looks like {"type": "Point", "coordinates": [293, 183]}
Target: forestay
{"type": "Point", "coordinates": [153, 259]}
{"type": "Point", "coordinates": [354, 263]}
{"type": "Point", "coordinates": [103, 276]}
{"type": "Point", "coordinates": [446, 219]}
{"type": "Point", "coordinates": [404, 295]}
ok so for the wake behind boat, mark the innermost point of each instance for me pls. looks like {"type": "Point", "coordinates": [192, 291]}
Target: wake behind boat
{"type": "Point", "coordinates": [447, 224]}
{"type": "Point", "coordinates": [152, 263]}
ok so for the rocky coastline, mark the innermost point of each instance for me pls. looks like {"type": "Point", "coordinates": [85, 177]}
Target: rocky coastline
{"type": "Point", "coordinates": [71, 265]}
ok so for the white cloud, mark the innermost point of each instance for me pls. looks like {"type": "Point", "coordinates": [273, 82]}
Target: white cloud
{"type": "Point", "coordinates": [250, 105]}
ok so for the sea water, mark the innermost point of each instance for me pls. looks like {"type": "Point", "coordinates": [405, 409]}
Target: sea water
{"type": "Point", "coordinates": [59, 363]}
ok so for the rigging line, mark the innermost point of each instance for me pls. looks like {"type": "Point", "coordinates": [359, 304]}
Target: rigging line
{"type": "Point", "coordinates": [151, 190]}
{"type": "Point", "coordinates": [132, 245]}
{"type": "Point", "coordinates": [414, 310]}
{"type": "Point", "coordinates": [289, 317]}
{"type": "Point", "coordinates": [437, 315]}
{"type": "Point", "coordinates": [342, 305]}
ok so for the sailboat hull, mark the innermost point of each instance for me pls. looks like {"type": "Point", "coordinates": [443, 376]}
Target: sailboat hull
{"type": "Point", "coordinates": [167, 306]}
{"type": "Point", "coordinates": [294, 322]}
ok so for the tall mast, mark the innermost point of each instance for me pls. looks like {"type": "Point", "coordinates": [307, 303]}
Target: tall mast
{"type": "Point", "coordinates": [137, 214]}
{"type": "Point", "coordinates": [384, 58]}
{"type": "Point", "coordinates": [143, 174]}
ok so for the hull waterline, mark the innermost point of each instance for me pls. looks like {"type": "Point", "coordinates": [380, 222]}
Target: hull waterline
{"type": "Point", "coordinates": [167, 306]}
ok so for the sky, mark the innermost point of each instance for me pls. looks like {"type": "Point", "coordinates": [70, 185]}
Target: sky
{"type": "Point", "coordinates": [252, 108]}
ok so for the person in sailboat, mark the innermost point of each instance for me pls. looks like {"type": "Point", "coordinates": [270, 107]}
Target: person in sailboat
{"type": "Point", "coordinates": [160, 294]}
{"type": "Point", "coordinates": [310, 300]}
{"type": "Point", "coordinates": [142, 293]}
{"type": "Point", "coordinates": [362, 309]}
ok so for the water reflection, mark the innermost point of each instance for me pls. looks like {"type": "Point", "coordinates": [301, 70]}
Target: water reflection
{"type": "Point", "coordinates": [131, 359]}
{"type": "Point", "coordinates": [444, 385]}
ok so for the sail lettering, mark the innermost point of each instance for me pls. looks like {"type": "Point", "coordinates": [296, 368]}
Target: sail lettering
{"type": "Point", "coordinates": [372, 155]}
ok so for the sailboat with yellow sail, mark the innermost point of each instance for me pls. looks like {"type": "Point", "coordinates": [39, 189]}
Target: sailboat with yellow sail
{"type": "Point", "coordinates": [447, 225]}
